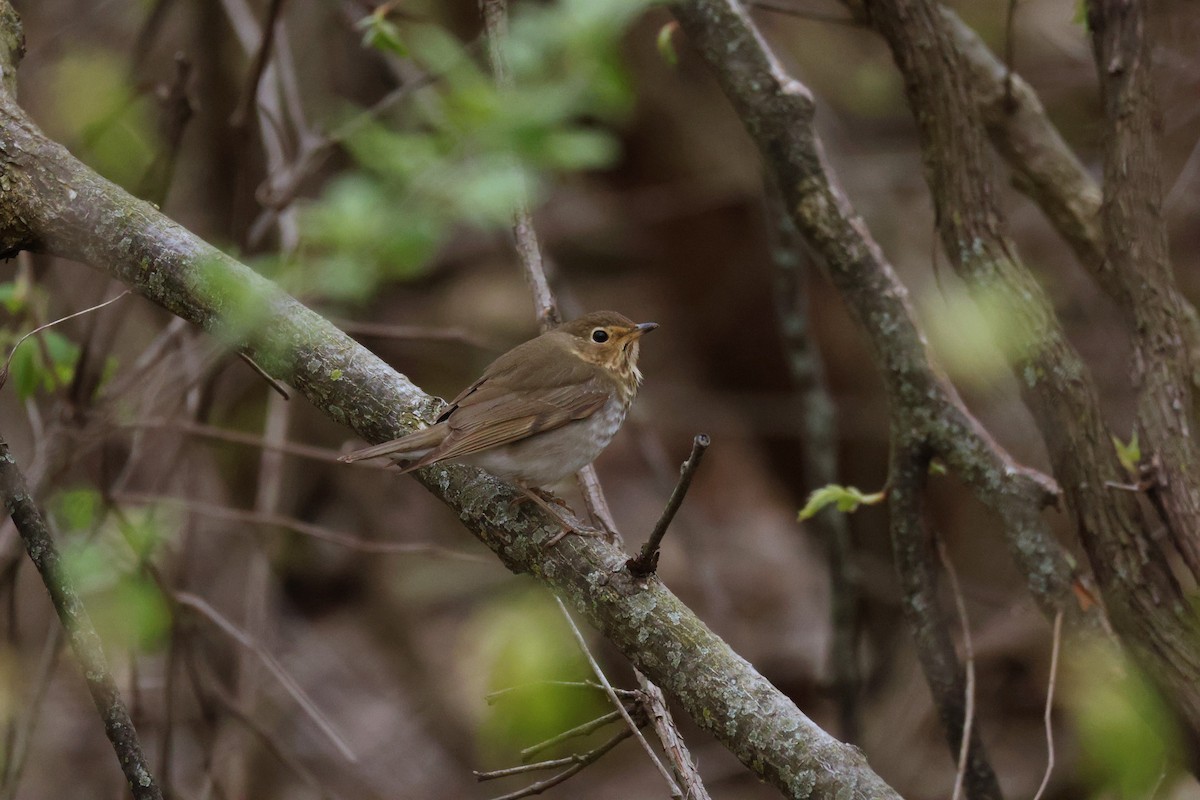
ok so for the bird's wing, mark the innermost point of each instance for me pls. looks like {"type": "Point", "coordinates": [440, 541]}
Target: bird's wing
{"type": "Point", "coordinates": [492, 416]}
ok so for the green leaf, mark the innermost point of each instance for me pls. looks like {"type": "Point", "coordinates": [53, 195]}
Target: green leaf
{"type": "Point", "coordinates": [1130, 455]}
{"type": "Point", "coordinates": [847, 499]}
{"type": "Point", "coordinates": [937, 467]}
{"type": "Point", "coordinates": [381, 33]}
{"type": "Point", "coordinates": [666, 47]}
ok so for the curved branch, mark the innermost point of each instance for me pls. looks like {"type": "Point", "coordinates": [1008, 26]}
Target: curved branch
{"type": "Point", "coordinates": [1147, 605]}
{"type": "Point", "coordinates": [778, 114]}
{"type": "Point", "coordinates": [1138, 254]}
{"type": "Point", "coordinates": [81, 633]}
{"type": "Point", "coordinates": [51, 202]}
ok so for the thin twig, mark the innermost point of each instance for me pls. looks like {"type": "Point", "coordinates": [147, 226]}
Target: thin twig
{"type": "Point", "coordinates": [420, 333]}
{"type": "Point", "coordinates": [647, 560]}
{"type": "Point", "coordinates": [250, 440]}
{"type": "Point", "coordinates": [591, 757]}
{"type": "Point", "coordinates": [273, 745]}
{"type": "Point", "coordinates": [40, 328]}
{"type": "Point", "coordinates": [495, 23]}
{"type": "Point", "coordinates": [293, 524]}
{"type": "Point", "coordinates": [676, 750]}
{"type": "Point", "coordinates": [18, 748]}
{"type": "Point", "coordinates": [612, 695]}
{"type": "Point", "coordinates": [202, 607]}
{"type": "Point", "coordinates": [241, 115]}
{"type": "Point", "coordinates": [591, 726]}
{"type": "Point", "coordinates": [793, 310]}
{"type": "Point", "coordinates": [1048, 716]}
{"type": "Point", "coordinates": [502, 693]}
{"type": "Point", "coordinates": [85, 642]}
{"type": "Point", "coordinates": [266, 376]}
{"type": "Point", "coordinates": [969, 658]}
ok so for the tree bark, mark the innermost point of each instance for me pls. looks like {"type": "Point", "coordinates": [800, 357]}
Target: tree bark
{"type": "Point", "coordinates": [52, 203]}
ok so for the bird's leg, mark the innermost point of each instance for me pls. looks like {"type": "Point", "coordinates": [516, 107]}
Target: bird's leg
{"type": "Point", "coordinates": [570, 522]}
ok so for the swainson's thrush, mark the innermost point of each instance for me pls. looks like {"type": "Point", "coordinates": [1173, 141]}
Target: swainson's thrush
{"type": "Point", "coordinates": [540, 412]}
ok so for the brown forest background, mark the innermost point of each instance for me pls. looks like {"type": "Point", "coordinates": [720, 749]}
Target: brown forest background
{"type": "Point", "coordinates": [398, 650]}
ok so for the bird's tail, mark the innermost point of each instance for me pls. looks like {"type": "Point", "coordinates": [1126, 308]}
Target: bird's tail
{"type": "Point", "coordinates": [412, 446]}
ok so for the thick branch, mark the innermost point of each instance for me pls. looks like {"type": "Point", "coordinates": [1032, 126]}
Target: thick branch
{"type": "Point", "coordinates": [55, 204]}
{"type": "Point", "coordinates": [85, 642]}
{"type": "Point", "coordinates": [778, 114]}
{"type": "Point", "coordinates": [1137, 252]}
{"type": "Point", "coordinates": [1146, 604]}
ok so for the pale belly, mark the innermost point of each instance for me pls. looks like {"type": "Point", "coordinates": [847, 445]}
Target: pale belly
{"type": "Point", "coordinates": [549, 457]}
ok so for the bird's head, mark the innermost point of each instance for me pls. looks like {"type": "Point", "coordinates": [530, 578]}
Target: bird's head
{"type": "Point", "coordinates": [609, 340]}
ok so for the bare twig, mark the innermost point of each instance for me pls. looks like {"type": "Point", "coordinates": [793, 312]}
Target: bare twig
{"type": "Point", "coordinates": [577, 764]}
{"type": "Point", "coordinates": [202, 607]}
{"type": "Point", "coordinates": [291, 523]}
{"type": "Point", "coordinates": [278, 387]}
{"type": "Point", "coordinates": [591, 726]}
{"type": "Point", "coordinates": [793, 10]}
{"type": "Point", "coordinates": [85, 642]}
{"type": "Point", "coordinates": [600, 676]}
{"type": "Point", "coordinates": [323, 454]}
{"type": "Point", "coordinates": [647, 559]}
{"type": "Point", "coordinates": [176, 111]}
{"type": "Point", "coordinates": [249, 96]}
{"type": "Point", "coordinates": [500, 694]}
{"type": "Point", "coordinates": [40, 328]}
{"type": "Point", "coordinates": [916, 564]}
{"type": "Point", "coordinates": [1048, 716]}
{"type": "Point", "coordinates": [18, 743]}
{"type": "Point", "coordinates": [495, 23]}
{"type": "Point", "coordinates": [673, 745]}
{"type": "Point", "coordinates": [969, 657]}
{"type": "Point", "coordinates": [420, 333]}
{"type": "Point", "coordinates": [274, 746]}
{"type": "Point", "coordinates": [820, 456]}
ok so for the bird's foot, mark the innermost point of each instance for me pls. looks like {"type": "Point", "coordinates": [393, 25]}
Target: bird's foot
{"type": "Point", "coordinates": [566, 516]}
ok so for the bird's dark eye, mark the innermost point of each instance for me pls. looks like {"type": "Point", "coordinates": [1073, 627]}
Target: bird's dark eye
{"type": "Point", "coordinates": [600, 335]}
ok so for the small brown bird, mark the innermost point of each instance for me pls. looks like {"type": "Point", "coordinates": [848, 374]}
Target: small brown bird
{"type": "Point", "coordinates": [540, 412]}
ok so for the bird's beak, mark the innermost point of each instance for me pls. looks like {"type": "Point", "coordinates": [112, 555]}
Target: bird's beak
{"type": "Point", "coordinates": [642, 327]}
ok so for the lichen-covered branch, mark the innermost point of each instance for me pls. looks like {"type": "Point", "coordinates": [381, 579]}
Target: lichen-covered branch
{"type": "Point", "coordinates": [1145, 603]}
{"type": "Point", "coordinates": [51, 202]}
{"type": "Point", "coordinates": [1138, 254]}
{"type": "Point", "coordinates": [85, 642]}
{"type": "Point", "coordinates": [778, 114]}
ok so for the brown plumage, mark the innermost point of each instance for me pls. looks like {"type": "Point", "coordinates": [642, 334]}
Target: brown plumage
{"type": "Point", "coordinates": [541, 411]}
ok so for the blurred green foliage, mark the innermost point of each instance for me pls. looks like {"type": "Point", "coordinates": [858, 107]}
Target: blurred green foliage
{"type": "Point", "coordinates": [1129, 741]}
{"type": "Point", "coordinates": [462, 150]}
{"type": "Point", "coordinates": [104, 554]}
{"type": "Point", "coordinates": [108, 125]}
{"type": "Point", "coordinates": [42, 362]}
{"type": "Point", "coordinates": [522, 642]}
{"type": "Point", "coordinates": [974, 334]}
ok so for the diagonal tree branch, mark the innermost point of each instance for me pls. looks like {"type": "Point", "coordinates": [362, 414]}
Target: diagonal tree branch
{"type": "Point", "coordinates": [85, 642]}
{"type": "Point", "coordinates": [52, 203]}
{"type": "Point", "coordinates": [1146, 604]}
{"type": "Point", "coordinates": [778, 114]}
{"type": "Point", "coordinates": [1138, 254]}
